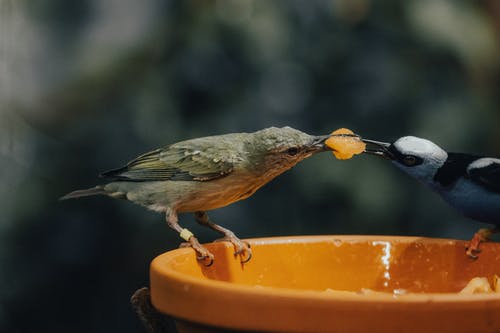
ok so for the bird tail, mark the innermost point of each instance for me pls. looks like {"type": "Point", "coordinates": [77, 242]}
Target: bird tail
{"type": "Point", "coordinates": [98, 190]}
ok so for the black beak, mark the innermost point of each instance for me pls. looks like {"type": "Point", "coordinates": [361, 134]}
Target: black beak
{"type": "Point", "coordinates": [318, 144]}
{"type": "Point", "coordinates": [378, 148]}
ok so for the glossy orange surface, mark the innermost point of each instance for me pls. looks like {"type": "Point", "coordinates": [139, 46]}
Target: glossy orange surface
{"type": "Point", "coordinates": [315, 284]}
{"type": "Point", "coordinates": [345, 144]}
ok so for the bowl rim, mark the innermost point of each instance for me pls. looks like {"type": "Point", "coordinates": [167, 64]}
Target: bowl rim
{"type": "Point", "coordinates": [237, 306]}
{"type": "Point", "coordinates": [377, 297]}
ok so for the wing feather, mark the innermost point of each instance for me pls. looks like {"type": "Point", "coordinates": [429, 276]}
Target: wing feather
{"type": "Point", "coordinates": [486, 172]}
{"type": "Point", "coordinates": [174, 163]}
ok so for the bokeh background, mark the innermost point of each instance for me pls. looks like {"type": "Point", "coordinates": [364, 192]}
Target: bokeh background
{"type": "Point", "coordinates": [87, 85]}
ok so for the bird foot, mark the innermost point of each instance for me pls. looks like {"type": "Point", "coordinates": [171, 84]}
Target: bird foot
{"type": "Point", "coordinates": [202, 254]}
{"type": "Point", "coordinates": [481, 236]}
{"type": "Point", "coordinates": [241, 248]}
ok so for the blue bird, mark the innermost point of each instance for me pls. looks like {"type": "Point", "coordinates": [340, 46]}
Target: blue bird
{"type": "Point", "coordinates": [469, 183]}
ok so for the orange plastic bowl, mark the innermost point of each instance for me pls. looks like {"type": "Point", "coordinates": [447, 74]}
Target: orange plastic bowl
{"type": "Point", "coordinates": [313, 284]}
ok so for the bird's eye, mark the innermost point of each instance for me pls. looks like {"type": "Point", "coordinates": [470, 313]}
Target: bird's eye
{"type": "Point", "coordinates": [292, 151]}
{"type": "Point", "coordinates": [410, 160]}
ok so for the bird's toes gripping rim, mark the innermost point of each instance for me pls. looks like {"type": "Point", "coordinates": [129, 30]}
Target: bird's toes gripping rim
{"type": "Point", "coordinates": [481, 236]}
{"type": "Point", "coordinates": [202, 254]}
{"type": "Point", "coordinates": [472, 252]}
{"type": "Point", "coordinates": [206, 259]}
{"type": "Point", "coordinates": [241, 247]}
{"type": "Point", "coordinates": [243, 250]}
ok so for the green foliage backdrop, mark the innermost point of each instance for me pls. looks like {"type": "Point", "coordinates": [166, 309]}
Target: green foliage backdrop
{"type": "Point", "coordinates": [87, 85]}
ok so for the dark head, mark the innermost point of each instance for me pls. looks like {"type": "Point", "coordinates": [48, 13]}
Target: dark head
{"type": "Point", "coordinates": [418, 157]}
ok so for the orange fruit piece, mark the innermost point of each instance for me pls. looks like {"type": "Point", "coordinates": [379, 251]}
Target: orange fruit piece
{"type": "Point", "coordinates": [345, 144]}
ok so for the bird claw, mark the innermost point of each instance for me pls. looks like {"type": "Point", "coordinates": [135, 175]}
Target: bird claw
{"type": "Point", "coordinates": [240, 247]}
{"type": "Point", "coordinates": [483, 235]}
{"type": "Point", "coordinates": [472, 252]}
{"type": "Point", "coordinates": [203, 259]}
{"type": "Point", "coordinates": [202, 254]}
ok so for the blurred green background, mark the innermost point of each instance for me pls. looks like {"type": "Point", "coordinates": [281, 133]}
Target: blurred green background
{"type": "Point", "coordinates": [87, 85]}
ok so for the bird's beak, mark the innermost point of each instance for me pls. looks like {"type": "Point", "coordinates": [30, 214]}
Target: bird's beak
{"type": "Point", "coordinates": [378, 148]}
{"type": "Point", "coordinates": [318, 144]}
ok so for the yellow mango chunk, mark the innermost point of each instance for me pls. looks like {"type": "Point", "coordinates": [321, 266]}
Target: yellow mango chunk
{"type": "Point", "coordinates": [345, 144]}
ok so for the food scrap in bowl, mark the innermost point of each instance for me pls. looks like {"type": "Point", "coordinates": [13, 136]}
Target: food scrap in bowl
{"type": "Point", "coordinates": [477, 285]}
{"type": "Point", "coordinates": [481, 285]}
{"type": "Point", "coordinates": [345, 144]}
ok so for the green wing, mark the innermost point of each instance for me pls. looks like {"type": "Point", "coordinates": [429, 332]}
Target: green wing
{"type": "Point", "coordinates": [174, 163]}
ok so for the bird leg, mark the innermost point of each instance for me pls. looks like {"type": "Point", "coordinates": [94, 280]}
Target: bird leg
{"type": "Point", "coordinates": [240, 246]}
{"type": "Point", "coordinates": [482, 235]}
{"type": "Point", "coordinates": [202, 253]}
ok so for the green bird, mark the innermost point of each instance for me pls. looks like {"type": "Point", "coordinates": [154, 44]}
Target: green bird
{"type": "Point", "coordinates": [198, 175]}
